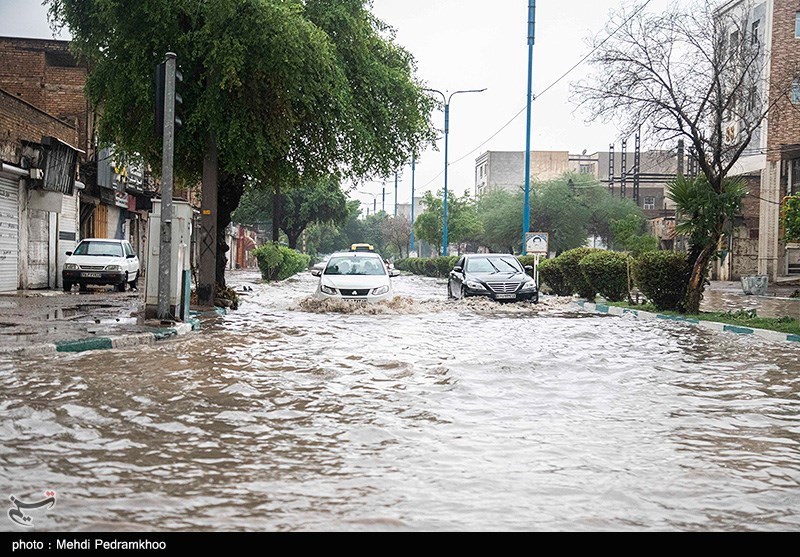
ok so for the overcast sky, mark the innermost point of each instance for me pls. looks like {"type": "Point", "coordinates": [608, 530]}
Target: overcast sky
{"type": "Point", "coordinates": [468, 44]}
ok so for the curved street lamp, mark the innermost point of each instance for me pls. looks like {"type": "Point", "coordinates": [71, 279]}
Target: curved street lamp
{"type": "Point", "coordinates": [446, 100]}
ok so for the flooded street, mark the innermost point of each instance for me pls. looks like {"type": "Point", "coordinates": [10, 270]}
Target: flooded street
{"type": "Point", "coordinates": [423, 414]}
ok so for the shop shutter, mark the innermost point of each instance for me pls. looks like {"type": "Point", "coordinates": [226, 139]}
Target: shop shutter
{"type": "Point", "coordinates": [9, 233]}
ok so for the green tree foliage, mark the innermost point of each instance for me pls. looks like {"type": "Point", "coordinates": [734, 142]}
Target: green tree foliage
{"type": "Point", "coordinates": [284, 87]}
{"type": "Point", "coordinates": [313, 201]}
{"type": "Point", "coordinates": [397, 234]}
{"type": "Point", "coordinates": [628, 234]}
{"type": "Point", "coordinates": [463, 224]}
{"type": "Point", "coordinates": [570, 209]}
{"type": "Point", "coordinates": [790, 216]}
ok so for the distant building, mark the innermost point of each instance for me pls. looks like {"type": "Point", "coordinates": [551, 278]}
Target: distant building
{"type": "Point", "coordinates": [506, 169]}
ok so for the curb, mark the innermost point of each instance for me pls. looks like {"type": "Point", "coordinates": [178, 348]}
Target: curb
{"type": "Point", "coordinates": [710, 325]}
{"type": "Point", "coordinates": [105, 343]}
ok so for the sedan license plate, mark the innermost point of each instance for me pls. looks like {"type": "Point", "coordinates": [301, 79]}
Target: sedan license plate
{"type": "Point", "coordinates": [506, 296]}
{"type": "Point", "coordinates": [90, 275]}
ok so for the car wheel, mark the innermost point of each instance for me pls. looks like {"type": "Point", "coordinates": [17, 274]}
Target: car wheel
{"type": "Point", "coordinates": [449, 291]}
{"type": "Point", "coordinates": [535, 299]}
{"type": "Point", "coordinates": [133, 284]}
{"type": "Point", "coordinates": [121, 286]}
{"type": "Point", "coordinates": [463, 292]}
{"type": "Point", "coordinates": [82, 287]}
{"type": "Point", "coordinates": [67, 287]}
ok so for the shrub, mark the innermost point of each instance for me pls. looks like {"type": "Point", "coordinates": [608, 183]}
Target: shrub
{"type": "Point", "coordinates": [607, 272]}
{"type": "Point", "coordinates": [662, 277]}
{"type": "Point", "coordinates": [551, 275]}
{"type": "Point", "coordinates": [429, 268]}
{"type": "Point", "coordinates": [278, 262]}
{"type": "Point", "coordinates": [445, 264]}
{"type": "Point", "coordinates": [569, 263]}
{"type": "Point", "coordinates": [402, 264]}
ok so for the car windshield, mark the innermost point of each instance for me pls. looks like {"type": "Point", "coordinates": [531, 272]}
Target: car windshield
{"type": "Point", "coordinates": [108, 249]}
{"type": "Point", "coordinates": [492, 265]}
{"type": "Point", "coordinates": [355, 266]}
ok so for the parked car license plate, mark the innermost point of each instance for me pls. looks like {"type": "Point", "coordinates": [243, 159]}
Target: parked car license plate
{"type": "Point", "coordinates": [506, 296]}
{"type": "Point", "coordinates": [90, 275]}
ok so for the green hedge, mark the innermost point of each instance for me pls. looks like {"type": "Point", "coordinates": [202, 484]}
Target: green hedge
{"type": "Point", "coordinates": [429, 267]}
{"type": "Point", "coordinates": [551, 275]}
{"type": "Point", "coordinates": [607, 273]}
{"type": "Point", "coordinates": [277, 262]}
{"type": "Point", "coordinates": [662, 277]}
{"type": "Point", "coordinates": [569, 263]}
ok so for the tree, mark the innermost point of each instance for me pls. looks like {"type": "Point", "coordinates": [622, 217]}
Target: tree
{"type": "Point", "coordinates": [318, 201]}
{"type": "Point", "coordinates": [397, 234]}
{"type": "Point", "coordinates": [628, 234]}
{"type": "Point", "coordinates": [463, 224]}
{"type": "Point", "coordinates": [500, 214]}
{"type": "Point", "coordinates": [284, 87]}
{"type": "Point", "coordinates": [697, 75]}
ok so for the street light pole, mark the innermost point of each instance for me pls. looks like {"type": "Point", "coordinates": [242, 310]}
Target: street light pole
{"type": "Point", "coordinates": [395, 193]}
{"type": "Point", "coordinates": [446, 100]}
{"type": "Point", "coordinates": [383, 199]}
{"type": "Point", "coordinates": [526, 210]}
{"type": "Point", "coordinates": [413, 170]}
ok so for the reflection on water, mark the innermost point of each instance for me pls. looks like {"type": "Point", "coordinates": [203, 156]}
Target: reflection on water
{"type": "Point", "coordinates": [427, 414]}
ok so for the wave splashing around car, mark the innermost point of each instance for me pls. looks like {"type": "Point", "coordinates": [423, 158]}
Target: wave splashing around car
{"type": "Point", "coordinates": [404, 305]}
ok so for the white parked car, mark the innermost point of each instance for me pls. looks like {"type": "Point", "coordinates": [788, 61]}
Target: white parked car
{"type": "Point", "coordinates": [355, 275]}
{"type": "Point", "coordinates": [101, 261]}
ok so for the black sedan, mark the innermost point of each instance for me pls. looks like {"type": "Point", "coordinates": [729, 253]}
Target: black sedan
{"type": "Point", "coordinates": [497, 276]}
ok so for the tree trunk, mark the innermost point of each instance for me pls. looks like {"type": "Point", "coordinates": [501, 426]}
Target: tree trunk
{"type": "Point", "coordinates": [293, 238]}
{"type": "Point", "coordinates": [276, 214]}
{"type": "Point", "coordinates": [697, 278]}
{"type": "Point", "coordinates": [230, 193]}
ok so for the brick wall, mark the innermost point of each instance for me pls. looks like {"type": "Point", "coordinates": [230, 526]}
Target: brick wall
{"type": "Point", "coordinates": [20, 121]}
{"type": "Point", "coordinates": [45, 74]}
{"type": "Point", "coordinates": [784, 123]}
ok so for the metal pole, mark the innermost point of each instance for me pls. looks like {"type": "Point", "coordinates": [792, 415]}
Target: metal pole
{"type": "Point", "coordinates": [526, 210]}
{"type": "Point", "coordinates": [395, 193]}
{"type": "Point", "coordinates": [374, 204]}
{"type": "Point", "coordinates": [413, 170]}
{"type": "Point", "coordinates": [165, 247]}
{"type": "Point", "coordinates": [446, 145]}
{"type": "Point", "coordinates": [383, 199]}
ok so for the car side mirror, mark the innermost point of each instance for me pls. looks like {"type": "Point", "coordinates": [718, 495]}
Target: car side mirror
{"type": "Point", "coordinates": [132, 256]}
{"type": "Point", "coordinates": [394, 273]}
{"type": "Point", "coordinates": [69, 253]}
{"type": "Point", "coordinates": [529, 267]}
{"type": "Point", "coordinates": [457, 269]}
{"type": "Point", "coordinates": [316, 272]}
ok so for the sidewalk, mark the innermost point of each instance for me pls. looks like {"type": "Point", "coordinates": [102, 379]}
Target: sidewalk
{"type": "Point", "coordinates": [728, 296]}
{"type": "Point", "coordinates": [50, 320]}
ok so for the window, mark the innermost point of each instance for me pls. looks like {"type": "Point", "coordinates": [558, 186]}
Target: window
{"type": "Point", "coordinates": [794, 177]}
{"type": "Point", "coordinates": [797, 25]}
{"type": "Point", "coordinates": [649, 203]}
{"type": "Point", "coordinates": [586, 169]}
{"type": "Point", "coordinates": [754, 40]}
{"type": "Point", "coordinates": [796, 91]}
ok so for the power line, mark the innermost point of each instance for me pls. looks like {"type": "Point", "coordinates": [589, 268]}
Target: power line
{"type": "Point", "coordinates": [546, 89]}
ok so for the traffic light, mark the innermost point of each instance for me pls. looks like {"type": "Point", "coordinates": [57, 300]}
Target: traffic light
{"type": "Point", "coordinates": [160, 80]}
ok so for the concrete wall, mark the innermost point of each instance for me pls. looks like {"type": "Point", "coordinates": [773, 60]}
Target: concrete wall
{"type": "Point", "coordinates": [506, 169]}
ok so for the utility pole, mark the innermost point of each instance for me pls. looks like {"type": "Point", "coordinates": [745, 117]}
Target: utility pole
{"type": "Point", "coordinates": [413, 171]}
{"type": "Point", "coordinates": [526, 210]}
{"type": "Point", "coordinates": [395, 193]}
{"type": "Point", "coordinates": [167, 179]}
{"type": "Point", "coordinates": [383, 198]}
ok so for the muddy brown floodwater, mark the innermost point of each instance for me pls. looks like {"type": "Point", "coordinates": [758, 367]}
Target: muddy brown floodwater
{"type": "Point", "coordinates": [423, 414]}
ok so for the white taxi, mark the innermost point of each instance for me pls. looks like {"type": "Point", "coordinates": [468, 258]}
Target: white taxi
{"type": "Point", "coordinates": [355, 275]}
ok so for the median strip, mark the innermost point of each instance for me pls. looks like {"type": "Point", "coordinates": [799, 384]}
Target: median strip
{"type": "Point", "coordinates": [603, 309]}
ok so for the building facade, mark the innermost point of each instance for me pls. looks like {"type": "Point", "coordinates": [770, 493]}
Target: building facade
{"type": "Point", "coordinates": [771, 163]}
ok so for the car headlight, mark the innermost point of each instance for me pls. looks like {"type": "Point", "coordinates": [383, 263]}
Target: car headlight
{"type": "Point", "coordinates": [530, 285]}
{"type": "Point", "coordinates": [70, 267]}
{"type": "Point", "coordinates": [328, 290]}
{"type": "Point", "coordinates": [380, 290]}
{"type": "Point", "coordinates": [474, 285]}
{"type": "Point", "coordinates": [113, 268]}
